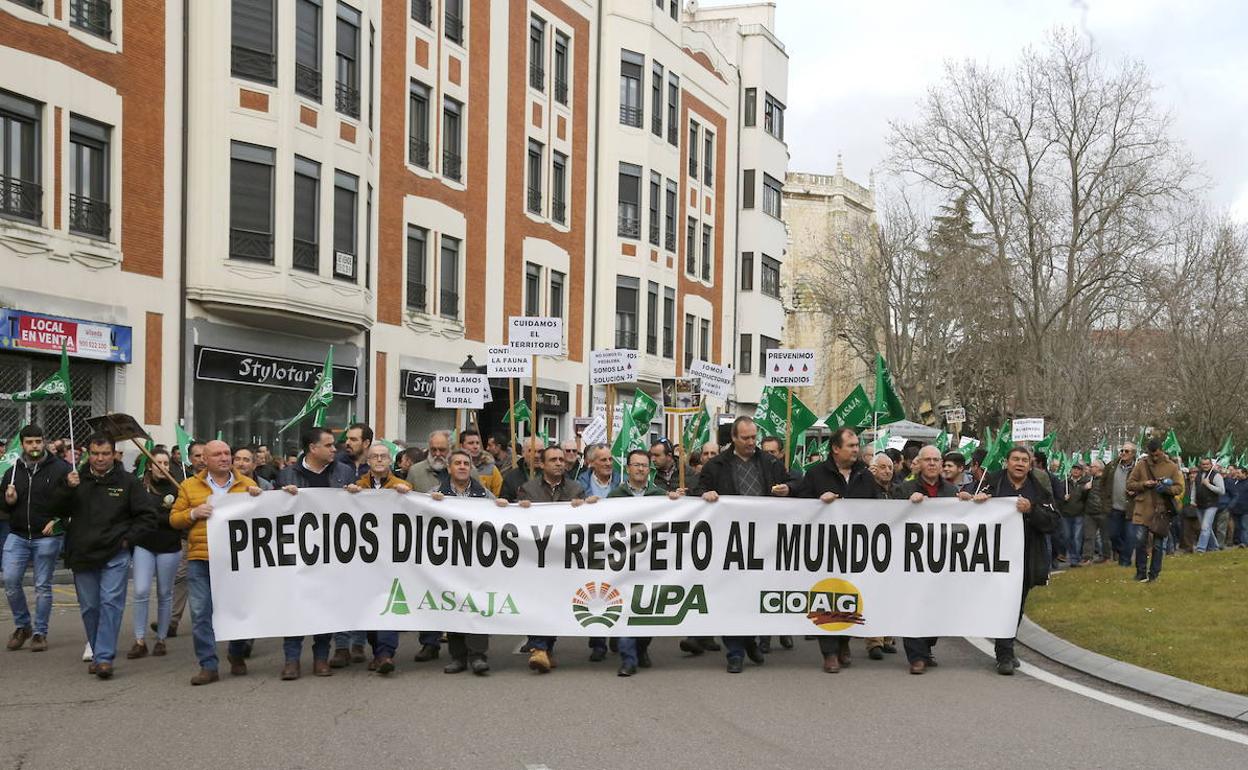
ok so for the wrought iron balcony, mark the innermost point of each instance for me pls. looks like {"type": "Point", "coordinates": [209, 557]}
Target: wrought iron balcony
{"type": "Point", "coordinates": [451, 163]}
{"type": "Point", "coordinates": [306, 256]}
{"type": "Point", "coordinates": [251, 244]}
{"type": "Point", "coordinates": [418, 152]}
{"type": "Point", "coordinates": [89, 216]}
{"type": "Point", "coordinates": [94, 16]}
{"type": "Point", "coordinates": [308, 82]}
{"type": "Point", "coordinates": [630, 116]}
{"type": "Point", "coordinates": [630, 226]}
{"type": "Point", "coordinates": [21, 198]}
{"type": "Point", "coordinates": [255, 65]}
{"type": "Point", "coordinates": [347, 99]}
{"type": "Point", "coordinates": [535, 200]}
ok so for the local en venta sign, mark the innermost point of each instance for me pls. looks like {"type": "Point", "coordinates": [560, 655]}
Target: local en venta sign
{"type": "Point", "coordinates": [462, 391]}
{"type": "Point", "coordinates": [790, 367]}
{"type": "Point", "coordinates": [535, 336]}
{"type": "Point", "coordinates": [1028, 429]}
{"type": "Point", "coordinates": [612, 366]}
{"type": "Point", "coordinates": [715, 380]}
{"type": "Point", "coordinates": [503, 361]}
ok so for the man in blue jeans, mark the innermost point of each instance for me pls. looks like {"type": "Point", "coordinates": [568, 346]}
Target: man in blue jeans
{"type": "Point", "coordinates": [30, 489]}
{"type": "Point", "coordinates": [1156, 482]}
{"type": "Point", "coordinates": [107, 509]}
{"type": "Point", "coordinates": [1120, 501]}
{"type": "Point", "coordinates": [1209, 489]}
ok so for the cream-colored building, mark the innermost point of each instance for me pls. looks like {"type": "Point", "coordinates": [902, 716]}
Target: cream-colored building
{"type": "Point", "coordinates": [824, 212]}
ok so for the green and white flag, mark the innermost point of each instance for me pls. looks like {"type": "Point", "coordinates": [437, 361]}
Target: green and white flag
{"type": "Point", "coordinates": [1227, 451]}
{"type": "Point", "coordinates": [1000, 447]}
{"type": "Point", "coordinates": [942, 442]}
{"type": "Point", "coordinates": [854, 411]}
{"type": "Point", "coordinates": [643, 409]}
{"type": "Point", "coordinates": [184, 443]}
{"type": "Point", "coordinates": [1171, 445]}
{"type": "Point", "coordinates": [141, 468]}
{"type": "Point", "coordinates": [521, 410]}
{"type": "Point", "coordinates": [772, 413]}
{"type": "Point", "coordinates": [1045, 445]}
{"type": "Point", "coordinates": [881, 441]}
{"type": "Point", "coordinates": [697, 430]}
{"type": "Point", "coordinates": [55, 385]}
{"type": "Point", "coordinates": [11, 452]}
{"type": "Point", "coordinates": [887, 406]}
{"type": "Point", "coordinates": [320, 398]}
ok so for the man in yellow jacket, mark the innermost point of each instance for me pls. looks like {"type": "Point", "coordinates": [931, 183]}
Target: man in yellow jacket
{"type": "Point", "coordinates": [191, 511]}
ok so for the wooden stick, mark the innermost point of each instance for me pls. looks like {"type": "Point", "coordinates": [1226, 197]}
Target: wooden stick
{"type": "Point", "coordinates": [684, 450]}
{"type": "Point", "coordinates": [151, 462]}
{"type": "Point", "coordinates": [788, 427]}
{"type": "Point", "coordinates": [610, 415]}
{"type": "Point", "coordinates": [533, 424]}
{"type": "Point", "coordinates": [511, 397]}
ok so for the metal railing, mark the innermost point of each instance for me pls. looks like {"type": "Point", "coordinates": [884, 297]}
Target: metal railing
{"type": "Point", "coordinates": [94, 16]}
{"type": "Point", "coordinates": [558, 211]}
{"type": "Point", "coordinates": [347, 99]}
{"type": "Point", "coordinates": [448, 304]}
{"type": "Point", "coordinates": [654, 233]}
{"type": "Point", "coordinates": [669, 242]}
{"type": "Point", "coordinates": [35, 4]}
{"type": "Point", "coordinates": [451, 163]}
{"type": "Point", "coordinates": [21, 198]}
{"type": "Point", "coordinates": [416, 296]}
{"type": "Point", "coordinates": [561, 91]}
{"type": "Point", "coordinates": [537, 77]}
{"type": "Point", "coordinates": [535, 200]}
{"type": "Point", "coordinates": [251, 244]}
{"type": "Point", "coordinates": [89, 216]}
{"type": "Point", "coordinates": [630, 116]}
{"type": "Point", "coordinates": [656, 123]}
{"type": "Point", "coordinates": [626, 339]}
{"type": "Point", "coordinates": [308, 81]}
{"type": "Point", "coordinates": [693, 166]}
{"type": "Point", "coordinates": [630, 227]}
{"type": "Point", "coordinates": [305, 255]}
{"type": "Point", "coordinates": [418, 151]}
{"type": "Point", "coordinates": [252, 64]}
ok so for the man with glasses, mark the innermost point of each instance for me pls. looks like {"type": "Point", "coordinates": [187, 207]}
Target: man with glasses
{"type": "Point", "coordinates": [572, 458]}
{"type": "Point", "coordinates": [1121, 502]}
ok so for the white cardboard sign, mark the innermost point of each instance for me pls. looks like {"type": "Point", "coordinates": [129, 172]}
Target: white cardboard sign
{"type": "Point", "coordinates": [1028, 429]}
{"type": "Point", "coordinates": [790, 367]}
{"type": "Point", "coordinates": [612, 366]}
{"type": "Point", "coordinates": [505, 362]}
{"type": "Point", "coordinates": [461, 391]}
{"type": "Point", "coordinates": [716, 379]}
{"type": "Point", "coordinates": [534, 336]}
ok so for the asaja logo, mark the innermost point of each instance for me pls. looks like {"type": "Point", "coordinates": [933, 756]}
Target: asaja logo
{"type": "Point", "coordinates": [483, 603]}
{"type": "Point", "coordinates": [396, 603]}
{"type": "Point", "coordinates": [597, 604]}
{"type": "Point", "coordinates": [832, 604]}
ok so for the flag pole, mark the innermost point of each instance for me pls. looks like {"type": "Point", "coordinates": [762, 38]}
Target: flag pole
{"type": "Point", "coordinates": [610, 414]}
{"type": "Point", "coordinates": [682, 422]}
{"type": "Point", "coordinates": [788, 425]}
{"type": "Point", "coordinates": [511, 397]}
{"type": "Point", "coordinates": [533, 411]}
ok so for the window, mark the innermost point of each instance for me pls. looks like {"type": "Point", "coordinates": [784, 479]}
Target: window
{"type": "Point", "coordinates": [708, 158]}
{"type": "Point", "coordinates": [418, 124]}
{"type": "Point", "coordinates": [422, 12]}
{"type": "Point", "coordinates": [557, 280]}
{"type": "Point", "coordinates": [630, 88]}
{"type": "Point", "coordinates": [751, 106]}
{"type": "Point", "coordinates": [368, 238]}
{"type": "Point", "coordinates": [706, 252]}
{"type": "Point", "coordinates": [669, 217]}
{"type": "Point", "coordinates": [747, 188]}
{"type": "Point", "coordinates": [537, 53]}
{"type": "Point", "coordinates": [747, 354]}
{"type": "Point", "coordinates": [21, 195]}
{"type": "Point", "coordinates": [652, 319]}
{"type": "Point", "coordinates": [773, 117]}
{"type": "Point", "coordinates": [347, 83]}
{"type": "Point", "coordinates": [691, 254]}
{"type": "Point", "coordinates": [417, 267]}
{"type": "Point", "coordinates": [454, 21]}
{"type": "Point", "coordinates": [656, 99]}
{"type": "Point", "coordinates": [673, 108]}
{"type": "Point", "coordinates": [772, 192]}
{"type": "Point", "coordinates": [561, 68]}
{"type": "Point", "coordinates": [626, 312]}
{"type": "Point", "coordinates": [95, 16]}
{"type": "Point", "coordinates": [704, 340]}
{"type": "Point", "coordinates": [448, 296]}
{"type": "Point", "coordinates": [689, 341]}
{"type": "Point", "coordinates": [630, 201]}
{"type": "Point", "coordinates": [346, 190]}
{"type": "Point", "coordinates": [372, 50]}
{"type": "Point", "coordinates": [771, 277]}
{"type": "Point", "coordinates": [532, 289]}
{"type": "Point", "coordinates": [669, 322]}
{"type": "Point", "coordinates": [674, 8]}
{"type": "Point", "coordinates": [693, 149]}
{"type": "Point", "coordinates": [765, 344]}
{"type": "Point", "coordinates": [308, 48]}
{"type": "Point", "coordinates": [253, 41]}
{"type": "Point", "coordinates": [89, 211]}
{"type": "Point", "coordinates": [536, 155]}
{"type": "Point", "coordinates": [451, 114]}
{"type": "Point", "coordinates": [305, 247]}
{"type": "Point", "coordinates": [251, 202]}
{"type": "Point", "coordinates": [558, 189]}
{"type": "Point", "coordinates": [656, 193]}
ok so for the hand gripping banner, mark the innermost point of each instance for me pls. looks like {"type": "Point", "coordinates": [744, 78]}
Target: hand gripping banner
{"type": "Point", "coordinates": [326, 560]}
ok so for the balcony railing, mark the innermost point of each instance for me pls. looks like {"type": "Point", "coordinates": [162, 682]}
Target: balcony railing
{"type": "Point", "coordinates": [306, 256]}
{"type": "Point", "coordinates": [656, 123]}
{"type": "Point", "coordinates": [691, 263]}
{"type": "Point", "coordinates": [654, 233]}
{"type": "Point", "coordinates": [669, 242]}
{"type": "Point", "coordinates": [630, 226]}
{"type": "Point", "coordinates": [89, 216]}
{"type": "Point", "coordinates": [561, 90]}
{"type": "Point", "coordinates": [535, 200]}
{"type": "Point", "coordinates": [448, 304]}
{"type": "Point", "coordinates": [21, 198]}
{"type": "Point", "coordinates": [626, 339]}
{"type": "Point", "coordinates": [254, 65]}
{"type": "Point", "coordinates": [630, 116]}
{"type": "Point", "coordinates": [558, 211]}
{"type": "Point", "coordinates": [422, 12]}
{"type": "Point", "coordinates": [451, 165]}
{"type": "Point", "coordinates": [454, 28]}
{"type": "Point", "coordinates": [708, 177]}
{"type": "Point", "coordinates": [418, 151]}
{"type": "Point", "coordinates": [94, 16]}
{"type": "Point", "coordinates": [706, 269]}
{"type": "Point", "coordinates": [308, 81]}
{"type": "Point", "coordinates": [251, 244]}
{"type": "Point", "coordinates": [347, 99]}
{"type": "Point", "coordinates": [693, 167]}
{"type": "Point", "coordinates": [416, 296]}
{"type": "Point", "coordinates": [537, 77]}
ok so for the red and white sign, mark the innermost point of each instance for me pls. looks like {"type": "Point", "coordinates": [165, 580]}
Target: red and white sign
{"type": "Point", "coordinates": [81, 339]}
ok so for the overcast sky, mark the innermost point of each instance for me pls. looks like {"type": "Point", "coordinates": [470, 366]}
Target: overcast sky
{"type": "Point", "coordinates": [853, 66]}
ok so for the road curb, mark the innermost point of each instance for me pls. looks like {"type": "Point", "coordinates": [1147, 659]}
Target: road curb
{"type": "Point", "coordinates": [1163, 686]}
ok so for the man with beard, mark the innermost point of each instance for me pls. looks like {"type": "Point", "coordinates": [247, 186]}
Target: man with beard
{"type": "Point", "coordinates": [431, 472]}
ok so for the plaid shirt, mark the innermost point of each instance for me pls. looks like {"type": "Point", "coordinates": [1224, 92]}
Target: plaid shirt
{"type": "Point", "coordinates": [748, 477]}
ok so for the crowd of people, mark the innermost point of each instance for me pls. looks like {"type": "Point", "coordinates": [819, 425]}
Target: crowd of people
{"type": "Point", "coordinates": [107, 523]}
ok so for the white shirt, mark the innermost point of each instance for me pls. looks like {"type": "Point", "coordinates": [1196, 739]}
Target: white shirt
{"type": "Point", "coordinates": [217, 490]}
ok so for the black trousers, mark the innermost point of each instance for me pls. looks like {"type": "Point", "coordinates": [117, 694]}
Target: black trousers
{"type": "Point", "coordinates": [919, 647]}
{"type": "Point", "coordinates": [832, 645]}
{"type": "Point", "coordinates": [465, 646]}
{"type": "Point", "coordinates": [1004, 648]}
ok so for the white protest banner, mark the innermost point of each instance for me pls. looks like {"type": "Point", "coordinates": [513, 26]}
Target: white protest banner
{"type": "Point", "coordinates": [460, 391]}
{"type": "Point", "coordinates": [790, 367]}
{"type": "Point", "coordinates": [957, 415]}
{"type": "Point", "coordinates": [1028, 429]}
{"type": "Point", "coordinates": [716, 379]}
{"type": "Point", "coordinates": [505, 362]}
{"type": "Point", "coordinates": [324, 559]}
{"type": "Point", "coordinates": [533, 336]}
{"type": "Point", "coordinates": [595, 432]}
{"type": "Point", "coordinates": [612, 366]}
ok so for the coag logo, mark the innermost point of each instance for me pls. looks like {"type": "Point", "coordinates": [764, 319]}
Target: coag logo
{"type": "Point", "coordinates": [597, 603]}
{"type": "Point", "coordinates": [832, 604]}
{"type": "Point", "coordinates": [484, 603]}
{"type": "Point", "coordinates": [660, 605]}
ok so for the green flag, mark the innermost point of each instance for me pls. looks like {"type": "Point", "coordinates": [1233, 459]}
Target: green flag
{"type": "Point", "coordinates": [1045, 444]}
{"type": "Point", "coordinates": [969, 447]}
{"type": "Point", "coordinates": [320, 398]}
{"type": "Point", "coordinates": [393, 447]}
{"type": "Point", "coordinates": [1000, 447]}
{"type": "Point", "coordinates": [1140, 439]}
{"type": "Point", "coordinates": [1102, 449]}
{"type": "Point", "coordinates": [543, 437]}
{"type": "Point", "coordinates": [942, 442]}
{"type": "Point", "coordinates": [626, 440]}
{"type": "Point", "coordinates": [521, 410]}
{"type": "Point", "coordinates": [697, 430]}
{"type": "Point", "coordinates": [220, 435]}
{"type": "Point", "coordinates": [55, 385]}
{"type": "Point", "coordinates": [887, 406]}
{"type": "Point", "coordinates": [881, 441]}
{"type": "Point", "coordinates": [772, 416]}
{"type": "Point", "coordinates": [342, 437]}
{"type": "Point", "coordinates": [1226, 452]}
{"type": "Point", "coordinates": [643, 409]}
{"type": "Point", "coordinates": [11, 453]}
{"type": "Point", "coordinates": [1171, 445]}
{"type": "Point", "coordinates": [184, 443]}
{"type": "Point", "coordinates": [854, 411]}
{"type": "Point", "coordinates": [141, 468]}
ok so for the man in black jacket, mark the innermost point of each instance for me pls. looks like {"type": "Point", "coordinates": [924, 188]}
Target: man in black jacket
{"type": "Point", "coordinates": [841, 475]}
{"type": "Point", "coordinates": [28, 502]}
{"type": "Point", "coordinates": [742, 471]}
{"type": "Point", "coordinates": [108, 511]}
{"type": "Point", "coordinates": [1040, 518]}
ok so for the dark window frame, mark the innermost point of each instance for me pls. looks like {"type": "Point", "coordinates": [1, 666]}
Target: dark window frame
{"type": "Point", "coordinates": [746, 362]}
{"type": "Point", "coordinates": [346, 195]}
{"type": "Point", "coordinates": [626, 311]}
{"type": "Point", "coordinates": [308, 74]}
{"type": "Point", "coordinates": [669, 322]}
{"type": "Point", "coordinates": [90, 210]}
{"type": "Point", "coordinates": [452, 141]}
{"type": "Point", "coordinates": [769, 278]}
{"type": "Point", "coordinates": [532, 289]}
{"type": "Point", "coordinates": [773, 196]}
{"type": "Point", "coordinates": [533, 172]}
{"type": "Point", "coordinates": [249, 243]}
{"type": "Point", "coordinates": [656, 208]}
{"type": "Point", "coordinates": [305, 253]}
{"type": "Point", "coordinates": [417, 297]}
{"type": "Point", "coordinates": [746, 275]}
{"type": "Point", "coordinates": [537, 53]}
{"type": "Point", "coordinates": [347, 61]}
{"type": "Point", "coordinates": [451, 249]}
{"type": "Point", "coordinates": [563, 50]}
{"type": "Point", "coordinates": [632, 87]}
{"type": "Point", "coordinates": [558, 187]}
{"type": "Point", "coordinates": [751, 107]}
{"type": "Point", "coordinates": [249, 61]}
{"type": "Point", "coordinates": [556, 293]}
{"type": "Point", "coordinates": [669, 216]}
{"type": "Point", "coordinates": [21, 191]}
{"type": "Point", "coordinates": [418, 103]}
{"type": "Point", "coordinates": [629, 209]}
{"type": "Point", "coordinates": [453, 21]}
{"type": "Point", "coordinates": [652, 318]}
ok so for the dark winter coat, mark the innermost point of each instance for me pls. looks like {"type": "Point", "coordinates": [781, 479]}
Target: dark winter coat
{"type": "Point", "coordinates": [1043, 519]}
{"type": "Point", "coordinates": [37, 494]}
{"type": "Point", "coordinates": [826, 477]}
{"type": "Point", "coordinates": [106, 514]}
{"type": "Point", "coordinates": [717, 476]}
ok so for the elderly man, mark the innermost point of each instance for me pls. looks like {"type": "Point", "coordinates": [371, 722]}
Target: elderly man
{"type": "Point", "coordinates": [1119, 501]}
{"type": "Point", "coordinates": [524, 469]}
{"type": "Point", "coordinates": [600, 477]}
{"type": "Point", "coordinates": [431, 471]}
{"type": "Point", "coordinates": [572, 458]}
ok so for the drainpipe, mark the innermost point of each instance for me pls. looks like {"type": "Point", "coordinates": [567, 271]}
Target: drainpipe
{"type": "Point", "coordinates": [593, 302]}
{"type": "Point", "coordinates": [186, 80]}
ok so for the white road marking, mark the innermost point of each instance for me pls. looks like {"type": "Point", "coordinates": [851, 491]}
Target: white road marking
{"type": "Point", "coordinates": [984, 646]}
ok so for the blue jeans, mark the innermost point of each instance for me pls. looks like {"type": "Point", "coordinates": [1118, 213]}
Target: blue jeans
{"type": "Point", "coordinates": [431, 638]}
{"type": "Point", "coordinates": [345, 639]}
{"type": "Point", "coordinates": [162, 567]}
{"type": "Point", "coordinates": [1140, 535]}
{"type": "Point", "coordinates": [735, 645]}
{"type": "Point", "coordinates": [387, 642]}
{"type": "Point", "coordinates": [543, 643]}
{"type": "Point", "coordinates": [630, 646]}
{"type": "Point", "coordinates": [1120, 536]}
{"type": "Point", "coordinates": [292, 647]}
{"type": "Point", "coordinates": [1241, 529]}
{"type": "Point", "coordinates": [199, 597]}
{"type": "Point", "coordinates": [19, 552]}
{"type": "Point", "coordinates": [102, 600]}
{"type": "Point", "coordinates": [4, 535]}
{"type": "Point", "coordinates": [1207, 538]}
{"type": "Point", "coordinates": [1074, 539]}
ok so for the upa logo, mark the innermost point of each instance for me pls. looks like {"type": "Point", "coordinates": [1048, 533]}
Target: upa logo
{"type": "Point", "coordinates": [661, 605]}
{"type": "Point", "coordinates": [832, 604]}
{"type": "Point", "coordinates": [597, 604]}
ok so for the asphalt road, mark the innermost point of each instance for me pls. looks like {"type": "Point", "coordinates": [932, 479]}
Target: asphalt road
{"type": "Point", "coordinates": [683, 713]}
